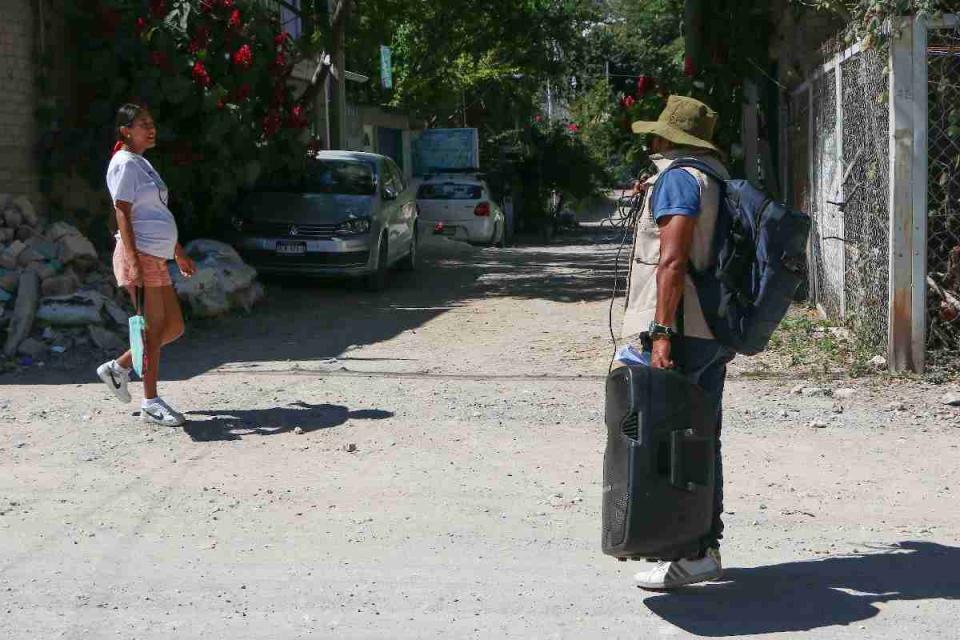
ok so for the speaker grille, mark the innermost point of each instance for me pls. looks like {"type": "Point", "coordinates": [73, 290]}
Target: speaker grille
{"type": "Point", "coordinates": [615, 503]}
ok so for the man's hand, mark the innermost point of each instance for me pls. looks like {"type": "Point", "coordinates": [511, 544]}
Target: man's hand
{"type": "Point", "coordinates": [660, 354]}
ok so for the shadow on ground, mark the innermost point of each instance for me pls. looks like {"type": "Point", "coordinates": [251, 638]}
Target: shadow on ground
{"type": "Point", "coordinates": [307, 320]}
{"type": "Point", "coordinates": [226, 424]}
{"type": "Point", "coordinates": [801, 596]}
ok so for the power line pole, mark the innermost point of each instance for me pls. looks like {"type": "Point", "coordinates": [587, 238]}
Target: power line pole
{"type": "Point", "coordinates": [338, 104]}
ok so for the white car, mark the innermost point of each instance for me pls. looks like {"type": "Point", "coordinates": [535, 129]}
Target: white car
{"type": "Point", "coordinates": [459, 206]}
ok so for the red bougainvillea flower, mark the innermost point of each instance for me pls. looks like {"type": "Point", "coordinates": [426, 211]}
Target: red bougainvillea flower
{"type": "Point", "coordinates": [297, 118]}
{"type": "Point", "coordinates": [234, 22]}
{"type": "Point", "coordinates": [140, 25]}
{"type": "Point", "coordinates": [644, 84]}
{"type": "Point", "coordinates": [573, 128]}
{"type": "Point", "coordinates": [280, 38]}
{"type": "Point", "coordinates": [242, 92]}
{"type": "Point", "coordinates": [279, 94]}
{"type": "Point", "coordinates": [280, 62]}
{"type": "Point", "coordinates": [221, 104]}
{"type": "Point", "coordinates": [271, 124]}
{"type": "Point", "coordinates": [194, 47]}
{"type": "Point", "coordinates": [243, 57]}
{"type": "Point", "coordinates": [226, 4]}
{"type": "Point", "coordinates": [200, 75]}
{"type": "Point", "coordinates": [627, 102]}
{"type": "Point", "coordinates": [689, 67]}
{"type": "Point", "coordinates": [538, 118]}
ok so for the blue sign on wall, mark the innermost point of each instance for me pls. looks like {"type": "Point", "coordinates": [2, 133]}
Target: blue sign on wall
{"type": "Point", "coordinates": [439, 149]}
{"type": "Point", "coordinates": [386, 67]}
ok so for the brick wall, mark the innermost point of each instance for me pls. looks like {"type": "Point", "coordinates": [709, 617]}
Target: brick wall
{"type": "Point", "coordinates": [18, 170]}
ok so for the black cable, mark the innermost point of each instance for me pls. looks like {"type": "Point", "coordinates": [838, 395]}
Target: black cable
{"type": "Point", "coordinates": [629, 224]}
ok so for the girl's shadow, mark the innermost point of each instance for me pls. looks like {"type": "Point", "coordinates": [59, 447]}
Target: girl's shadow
{"type": "Point", "coordinates": [800, 596]}
{"type": "Point", "coordinates": [234, 424]}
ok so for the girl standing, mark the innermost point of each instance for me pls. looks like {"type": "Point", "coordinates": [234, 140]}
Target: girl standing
{"type": "Point", "coordinates": [146, 241]}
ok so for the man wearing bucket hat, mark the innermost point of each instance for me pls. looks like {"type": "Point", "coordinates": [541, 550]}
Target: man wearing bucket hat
{"type": "Point", "coordinates": [676, 230]}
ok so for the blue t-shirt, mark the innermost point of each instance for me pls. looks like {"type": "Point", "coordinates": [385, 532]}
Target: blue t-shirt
{"type": "Point", "coordinates": [678, 194]}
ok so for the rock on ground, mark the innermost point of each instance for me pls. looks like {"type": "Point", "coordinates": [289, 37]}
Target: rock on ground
{"type": "Point", "coordinates": [24, 311]}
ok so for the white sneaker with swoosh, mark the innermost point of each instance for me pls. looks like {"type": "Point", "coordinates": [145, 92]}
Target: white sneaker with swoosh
{"type": "Point", "coordinates": [116, 378]}
{"type": "Point", "coordinates": [159, 412]}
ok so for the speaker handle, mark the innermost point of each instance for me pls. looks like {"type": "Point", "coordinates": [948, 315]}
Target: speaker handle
{"type": "Point", "coordinates": [676, 460]}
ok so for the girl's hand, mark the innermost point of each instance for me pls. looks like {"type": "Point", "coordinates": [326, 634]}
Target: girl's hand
{"type": "Point", "coordinates": [186, 265]}
{"type": "Point", "coordinates": [135, 272]}
{"type": "Point", "coordinates": [131, 266]}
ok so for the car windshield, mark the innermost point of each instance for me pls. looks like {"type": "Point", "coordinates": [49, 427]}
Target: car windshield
{"type": "Point", "coordinates": [450, 191]}
{"type": "Point", "coordinates": [347, 177]}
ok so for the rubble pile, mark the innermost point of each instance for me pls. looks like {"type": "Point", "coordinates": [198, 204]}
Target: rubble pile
{"type": "Point", "coordinates": [57, 294]}
{"type": "Point", "coordinates": [223, 281]}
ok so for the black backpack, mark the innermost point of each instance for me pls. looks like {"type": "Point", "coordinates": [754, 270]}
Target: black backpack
{"type": "Point", "coordinates": [759, 246]}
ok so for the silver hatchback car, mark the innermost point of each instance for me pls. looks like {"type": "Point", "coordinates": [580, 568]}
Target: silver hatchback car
{"type": "Point", "coordinates": [350, 214]}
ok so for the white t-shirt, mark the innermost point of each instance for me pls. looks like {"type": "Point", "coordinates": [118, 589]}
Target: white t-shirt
{"type": "Point", "coordinates": [131, 178]}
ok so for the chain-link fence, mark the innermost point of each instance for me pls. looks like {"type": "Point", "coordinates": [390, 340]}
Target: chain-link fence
{"type": "Point", "coordinates": [843, 158]}
{"type": "Point", "coordinates": [826, 246]}
{"type": "Point", "coordinates": [943, 198]}
{"type": "Point", "coordinates": [797, 167]}
{"type": "Point", "coordinates": [864, 195]}
{"type": "Point", "coordinates": [838, 168]}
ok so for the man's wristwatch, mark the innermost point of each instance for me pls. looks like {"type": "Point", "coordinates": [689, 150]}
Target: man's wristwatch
{"type": "Point", "coordinates": [657, 330]}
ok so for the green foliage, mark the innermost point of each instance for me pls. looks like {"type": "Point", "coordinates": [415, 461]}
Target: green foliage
{"type": "Point", "coordinates": [866, 19]}
{"type": "Point", "coordinates": [634, 59]}
{"type": "Point", "coordinates": [214, 75]}
{"type": "Point", "coordinates": [546, 158]}
{"type": "Point", "coordinates": [491, 57]}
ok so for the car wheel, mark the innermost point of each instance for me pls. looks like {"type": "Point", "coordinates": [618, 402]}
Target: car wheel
{"type": "Point", "coordinates": [377, 280]}
{"type": "Point", "coordinates": [409, 263]}
{"type": "Point", "coordinates": [496, 238]}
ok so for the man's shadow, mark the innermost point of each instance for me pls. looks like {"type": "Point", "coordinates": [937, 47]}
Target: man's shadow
{"type": "Point", "coordinates": [234, 424]}
{"type": "Point", "coordinates": [800, 596]}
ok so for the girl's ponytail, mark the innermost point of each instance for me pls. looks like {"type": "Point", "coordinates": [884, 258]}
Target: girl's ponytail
{"type": "Point", "coordinates": [126, 114]}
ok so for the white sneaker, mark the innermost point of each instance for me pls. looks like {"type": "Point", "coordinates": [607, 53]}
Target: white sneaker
{"type": "Point", "coordinates": [116, 378]}
{"type": "Point", "coordinates": [670, 575]}
{"type": "Point", "coordinates": [157, 411]}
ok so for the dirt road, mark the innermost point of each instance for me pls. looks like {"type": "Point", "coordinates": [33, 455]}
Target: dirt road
{"type": "Point", "coordinates": [425, 463]}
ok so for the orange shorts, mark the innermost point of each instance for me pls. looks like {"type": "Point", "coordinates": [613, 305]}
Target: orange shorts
{"type": "Point", "coordinates": [153, 269]}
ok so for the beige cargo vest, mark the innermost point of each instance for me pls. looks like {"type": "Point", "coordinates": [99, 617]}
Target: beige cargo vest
{"type": "Point", "coordinates": [642, 288]}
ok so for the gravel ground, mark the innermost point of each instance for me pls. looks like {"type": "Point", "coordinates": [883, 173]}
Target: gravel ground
{"type": "Point", "coordinates": [425, 463]}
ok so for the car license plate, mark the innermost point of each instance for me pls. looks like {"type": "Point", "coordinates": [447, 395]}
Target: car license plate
{"type": "Point", "coordinates": [286, 248]}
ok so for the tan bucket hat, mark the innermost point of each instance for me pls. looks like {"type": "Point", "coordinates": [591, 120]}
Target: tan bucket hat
{"type": "Point", "coordinates": [684, 121]}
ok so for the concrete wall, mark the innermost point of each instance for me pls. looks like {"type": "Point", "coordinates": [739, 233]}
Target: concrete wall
{"type": "Point", "coordinates": [18, 167]}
